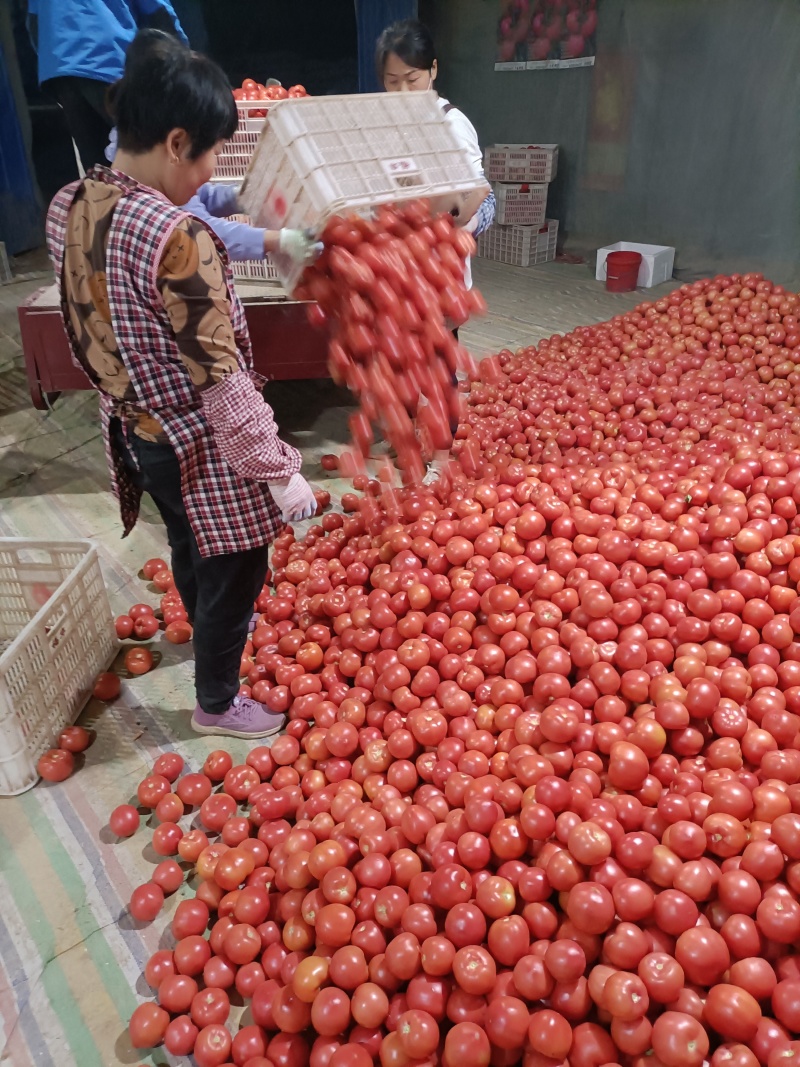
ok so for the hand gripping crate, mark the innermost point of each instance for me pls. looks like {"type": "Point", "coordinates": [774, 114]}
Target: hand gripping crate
{"type": "Point", "coordinates": [521, 246]}
{"type": "Point", "coordinates": [521, 162]}
{"type": "Point", "coordinates": [323, 156]}
{"type": "Point", "coordinates": [56, 635]}
{"type": "Point", "coordinates": [253, 270]}
{"type": "Point", "coordinates": [234, 159]}
{"type": "Point", "coordinates": [520, 204]}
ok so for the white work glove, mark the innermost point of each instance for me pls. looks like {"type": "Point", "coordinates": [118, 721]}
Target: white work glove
{"type": "Point", "coordinates": [295, 499]}
{"type": "Point", "coordinates": [300, 245]}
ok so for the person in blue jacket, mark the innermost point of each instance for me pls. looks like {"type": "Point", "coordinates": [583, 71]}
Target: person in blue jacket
{"type": "Point", "coordinates": [81, 45]}
{"type": "Point", "coordinates": [213, 203]}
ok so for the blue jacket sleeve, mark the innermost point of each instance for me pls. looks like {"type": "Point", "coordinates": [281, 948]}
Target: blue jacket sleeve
{"type": "Point", "coordinates": [213, 201]}
{"type": "Point", "coordinates": [144, 10]}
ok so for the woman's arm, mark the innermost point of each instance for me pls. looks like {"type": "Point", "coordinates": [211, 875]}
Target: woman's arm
{"type": "Point", "coordinates": [213, 203]}
{"type": "Point", "coordinates": [484, 216]}
{"type": "Point", "coordinates": [467, 135]}
{"type": "Point", "coordinates": [192, 286]}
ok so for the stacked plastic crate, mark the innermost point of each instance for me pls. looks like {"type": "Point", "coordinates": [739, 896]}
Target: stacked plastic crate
{"type": "Point", "coordinates": [520, 175]}
{"type": "Point", "coordinates": [231, 167]}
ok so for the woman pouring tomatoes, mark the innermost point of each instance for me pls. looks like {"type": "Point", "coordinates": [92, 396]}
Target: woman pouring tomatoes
{"type": "Point", "coordinates": [154, 320]}
{"type": "Point", "coordinates": [407, 63]}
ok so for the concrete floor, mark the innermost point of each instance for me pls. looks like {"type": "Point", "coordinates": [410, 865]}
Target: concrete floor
{"type": "Point", "coordinates": [70, 957]}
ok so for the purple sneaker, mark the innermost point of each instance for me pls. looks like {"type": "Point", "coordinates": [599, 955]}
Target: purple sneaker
{"type": "Point", "coordinates": [244, 718]}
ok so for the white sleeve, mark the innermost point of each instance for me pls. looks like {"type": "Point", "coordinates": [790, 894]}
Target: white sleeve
{"type": "Point", "coordinates": [466, 133]}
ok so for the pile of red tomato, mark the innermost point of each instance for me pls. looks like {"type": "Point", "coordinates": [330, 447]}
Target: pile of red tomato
{"type": "Point", "coordinates": [252, 91]}
{"type": "Point", "coordinates": [538, 800]}
{"type": "Point", "coordinates": [389, 290]}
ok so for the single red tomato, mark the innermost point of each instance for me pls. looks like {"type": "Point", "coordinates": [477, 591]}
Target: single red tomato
{"type": "Point", "coordinates": [139, 660]}
{"type": "Point", "coordinates": [146, 902]}
{"type": "Point", "coordinates": [169, 764]}
{"type": "Point", "coordinates": [148, 1025]}
{"type": "Point", "coordinates": [107, 686]}
{"type": "Point", "coordinates": [76, 738]}
{"type": "Point", "coordinates": [56, 765]}
{"type": "Point", "coordinates": [140, 610]}
{"type": "Point", "coordinates": [144, 627]}
{"type": "Point", "coordinates": [151, 789]}
{"type": "Point", "coordinates": [123, 625]}
{"type": "Point", "coordinates": [168, 876]}
{"type": "Point", "coordinates": [124, 820]}
{"type": "Point", "coordinates": [213, 1046]}
{"type": "Point", "coordinates": [178, 632]}
{"type": "Point", "coordinates": [163, 580]}
{"type": "Point", "coordinates": [152, 567]}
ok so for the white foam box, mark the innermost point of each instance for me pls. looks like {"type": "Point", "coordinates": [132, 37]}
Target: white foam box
{"type": "Point", "coordinates": [657, 262]}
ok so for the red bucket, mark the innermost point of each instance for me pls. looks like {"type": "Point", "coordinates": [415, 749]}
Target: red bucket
{"type": "Point", "coordinates": [622, 270]}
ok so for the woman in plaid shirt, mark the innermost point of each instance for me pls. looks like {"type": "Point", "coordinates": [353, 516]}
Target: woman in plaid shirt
{"type": "Point", "coordinates": [154, 320]}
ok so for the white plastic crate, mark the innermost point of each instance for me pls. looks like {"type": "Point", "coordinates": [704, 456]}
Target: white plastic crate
{"type": "Point", "coordinates": [520, 204]}
{"type": "Point", "coordinates": [234, 159]}
{"type": "Point", "coordinates": [521, 162]}
{"type": "Point", "coordinates": [323, 156]}
{"type": "Point", "coordinates": [522, 246]}
{"type": "Point", "coordinates": [57, 634]}
{"type": "Point", "coordinates": [657, 262]}
{"type": "Point", "coordinates": [253, 270]}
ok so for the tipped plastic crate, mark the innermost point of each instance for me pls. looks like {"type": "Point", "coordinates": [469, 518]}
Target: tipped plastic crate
{"type": "Point", "coordinates": [253, 270]}
{"type": "Point", "coordinates": [520, 204]}
{"type": "Point", "coordinates": [56, 635]}
{"type": "Point", "coordinates": [521, 246]}
{"type": "Point", "coordinates": [324, 156]}
{"type": "Point", "coordinates": [234, 159]}
{"type": "Point", "coordinates": [521, 162]}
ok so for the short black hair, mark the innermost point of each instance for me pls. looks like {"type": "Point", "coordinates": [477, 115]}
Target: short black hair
{"type": "Point", "coordinates": [411, 41]}
{"type": "Point", "coordinates": [167, 86]}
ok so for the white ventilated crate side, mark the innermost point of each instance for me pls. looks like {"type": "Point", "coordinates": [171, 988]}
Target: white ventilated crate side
{"type": "Point", "coordinates": [253, 270]}
{"type": "Point", "coordinates": [521, 162]}
{"type": "Point", "coordinates": [521, 246]}
{"type": "Point", "coordinates": [325, 156]}
{"type": "Point", "coordinates": [233, 160]}
{"type": "Point", "coordinates": [57, 633]}
{"type": "Point", "coordinates": [520, 203]}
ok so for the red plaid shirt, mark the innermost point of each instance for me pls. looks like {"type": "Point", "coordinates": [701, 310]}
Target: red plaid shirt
{"type": "Point", "coordinates": [228, 511]}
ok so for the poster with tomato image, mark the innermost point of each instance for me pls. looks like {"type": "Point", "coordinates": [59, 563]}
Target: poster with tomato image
{"type": "Point", "coordinates": [546, 34]}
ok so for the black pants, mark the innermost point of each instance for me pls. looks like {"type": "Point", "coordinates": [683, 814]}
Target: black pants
{"type": "Point", "coordinates": [217, 591]}
{"type": "Point", "coordinates": [84, 103]}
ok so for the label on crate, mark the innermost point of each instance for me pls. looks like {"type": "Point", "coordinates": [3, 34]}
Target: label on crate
{"type": "Point", "coordinates": [404, 172]}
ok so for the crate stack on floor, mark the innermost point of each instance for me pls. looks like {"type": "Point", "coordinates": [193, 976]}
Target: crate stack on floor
{"type": "Point", "coordinates": [520, 175]}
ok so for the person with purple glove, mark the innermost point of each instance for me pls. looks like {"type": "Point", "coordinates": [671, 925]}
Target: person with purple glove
{"type": "Point", "coordinates": [153, 319]}
{"type": "Point", "coordinates": [214, 202]}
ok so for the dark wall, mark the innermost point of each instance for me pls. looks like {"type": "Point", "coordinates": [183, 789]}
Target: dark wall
{"type": "Point", "coordinates": [685, 133]}
{"type": "Point", "coordinates": [309, 41]}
